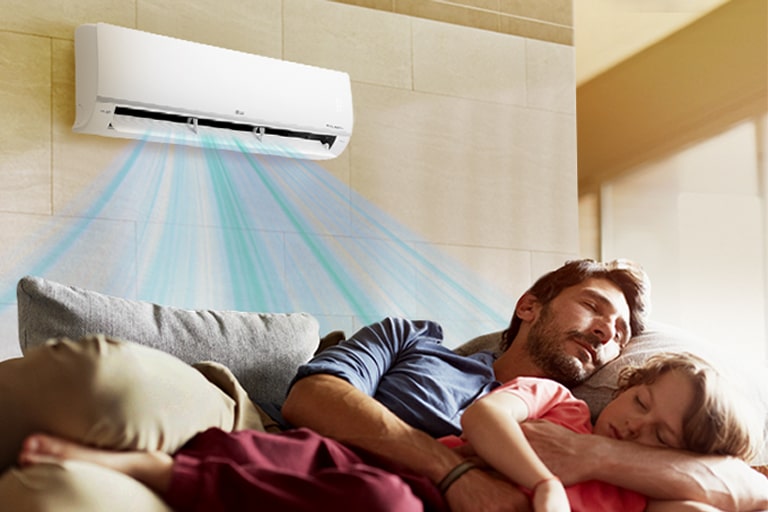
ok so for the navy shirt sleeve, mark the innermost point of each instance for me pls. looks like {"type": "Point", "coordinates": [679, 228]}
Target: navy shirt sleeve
{"type": "Point", "coordinates": [403, 364]}
{"type": "Point", "coordinates": [363, 359]}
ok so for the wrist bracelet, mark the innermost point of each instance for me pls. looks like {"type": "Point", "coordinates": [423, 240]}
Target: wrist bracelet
{"type": "Point", "coordinates": [454, 475]}
{"type": "Point", "coordinates": [543, 481]}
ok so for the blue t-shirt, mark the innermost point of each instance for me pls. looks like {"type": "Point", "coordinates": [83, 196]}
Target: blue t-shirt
{"type": "Point", "coordinates": [403, 364]}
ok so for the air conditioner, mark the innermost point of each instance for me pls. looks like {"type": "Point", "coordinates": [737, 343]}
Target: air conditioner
{"type": "Point", "coordinates": [138, 85]}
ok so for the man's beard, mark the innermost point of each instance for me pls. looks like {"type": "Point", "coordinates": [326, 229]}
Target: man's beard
{"type": "Point", "coordinates": [546, 349]}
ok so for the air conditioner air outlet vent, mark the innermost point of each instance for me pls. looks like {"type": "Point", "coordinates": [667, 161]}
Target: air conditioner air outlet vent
{"type": "Point", "coordinates": [327, 140]}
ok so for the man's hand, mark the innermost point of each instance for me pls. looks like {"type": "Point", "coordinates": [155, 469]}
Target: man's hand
{"type": "Point", "coordinates": [479, 490]}
{"type": "Point", "coordinates": [561, 449]}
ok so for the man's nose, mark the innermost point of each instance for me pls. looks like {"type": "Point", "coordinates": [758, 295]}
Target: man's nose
{"type": "Point", "coordinates": [604, 330]}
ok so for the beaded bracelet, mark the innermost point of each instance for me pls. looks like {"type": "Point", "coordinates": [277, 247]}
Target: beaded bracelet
{"type": "Point", "coordinates": [454, 475]}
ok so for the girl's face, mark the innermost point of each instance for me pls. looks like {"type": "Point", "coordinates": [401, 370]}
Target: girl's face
{"type": "Point", "coordinates": [649, 414]}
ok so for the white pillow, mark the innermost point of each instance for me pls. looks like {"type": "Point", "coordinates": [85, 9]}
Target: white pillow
{"type": "Point", "coordinates": [598, 390]}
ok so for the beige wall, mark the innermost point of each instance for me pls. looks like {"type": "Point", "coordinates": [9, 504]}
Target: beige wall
{"type": "Point", "coordinates": [464, 135]}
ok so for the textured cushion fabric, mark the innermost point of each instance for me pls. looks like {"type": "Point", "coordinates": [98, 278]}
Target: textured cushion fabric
{"type": "Point", "coordinates": [262, 350]}
{"type": "Point", "coordinates": [106, 393]}
{"type": "Point", "coordinates": [74, 486]}
{"type": "Point", "coordinates": [598, 390]}
{"type": "Point", "coordinates": [490, 341]}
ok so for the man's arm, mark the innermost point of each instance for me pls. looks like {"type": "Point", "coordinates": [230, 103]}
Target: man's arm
{"type": "Point", "coordinates": [723, 482]}
{"type": "Point", "coordinates": [678, 506]}
{"type": "Point", "coordinates": [335, 408]}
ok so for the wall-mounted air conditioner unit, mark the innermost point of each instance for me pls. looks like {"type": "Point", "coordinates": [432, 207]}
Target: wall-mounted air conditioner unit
{"type": "Point", "coordinates": [138, 85]}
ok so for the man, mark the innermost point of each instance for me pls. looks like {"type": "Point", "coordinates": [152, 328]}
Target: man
{"type": "Point", "coordinates": [392, 388]}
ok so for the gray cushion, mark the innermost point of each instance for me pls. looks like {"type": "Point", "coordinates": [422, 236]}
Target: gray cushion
{"type": "Point", "coordinates": [263, 350]}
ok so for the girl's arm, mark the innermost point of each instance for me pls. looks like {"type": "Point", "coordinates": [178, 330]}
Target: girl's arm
{"type": "Point", "coordinates": [491, 426]}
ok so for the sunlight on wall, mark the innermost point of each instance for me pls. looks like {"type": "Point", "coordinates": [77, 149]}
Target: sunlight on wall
{"type": "Point", "coordinates": [696, 220]}
{"type": "Point", "coordinates": [226, 230]}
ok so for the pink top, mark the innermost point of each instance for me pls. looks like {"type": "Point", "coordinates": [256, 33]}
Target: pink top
{"type": "Point", "coordinates": [551, 401]}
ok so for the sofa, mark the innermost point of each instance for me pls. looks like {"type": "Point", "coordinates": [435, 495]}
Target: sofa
{"type": "Point", "coordinates": [186, 371]}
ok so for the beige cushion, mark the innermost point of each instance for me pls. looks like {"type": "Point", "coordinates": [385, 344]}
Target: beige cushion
{"type": "Point", "coordinates": [75, 486]}
{"type": "Point", "coordinates": [106, 393]}
{"type": "Point", "coordinates": [248, 415]}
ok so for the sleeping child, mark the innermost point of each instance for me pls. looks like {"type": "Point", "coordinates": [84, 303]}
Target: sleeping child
{"type": "Point", "coordinates": [675, 401]}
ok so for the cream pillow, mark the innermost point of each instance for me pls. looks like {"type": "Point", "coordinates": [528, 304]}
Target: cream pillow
{"type": "Point", "coordinates": [76, 487]}
{"type": "Point", "coordinates": [106, 393]}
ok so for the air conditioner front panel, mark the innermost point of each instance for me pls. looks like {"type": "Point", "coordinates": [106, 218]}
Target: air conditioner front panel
{"type": "Point", "coordinates": [123, 67]}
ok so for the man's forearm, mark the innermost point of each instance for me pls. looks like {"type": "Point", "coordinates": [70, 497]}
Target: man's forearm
{"type": "Point", "coordinates": [724, 482]}
{"type": "Point", "coordinates": [332, 407]}
{"type": "Point", "coordinates": [679, 506]}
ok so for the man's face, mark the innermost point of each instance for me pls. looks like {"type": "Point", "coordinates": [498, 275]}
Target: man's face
{"type": "Point", "coordinates": [579, 331]}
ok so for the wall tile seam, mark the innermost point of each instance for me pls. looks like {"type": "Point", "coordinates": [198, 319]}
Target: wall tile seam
{"type": "Point", "coordinates": [502, 16]}
{"type": "Point", "coordinates": [527, 105]}
{"type": "Point", "coordinates": [500, 13]}
{"type": "Point", "coordinates": [536, 21]}
{"type": "Point", "coordinates": [51, 125]}
{"type": "Point", "coordinates": [489, 247]}
{"type": "Point", "coordinates": [37, 35]}
{"type": "Point", "coordinates": [500, 25]}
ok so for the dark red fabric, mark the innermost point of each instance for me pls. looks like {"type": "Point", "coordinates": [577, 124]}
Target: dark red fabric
{"type": "Point", "coordinates": [294, 471]}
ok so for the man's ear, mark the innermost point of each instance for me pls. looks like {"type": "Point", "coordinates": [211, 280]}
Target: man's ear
{"type": "Point", "coordinates": [528, 307]}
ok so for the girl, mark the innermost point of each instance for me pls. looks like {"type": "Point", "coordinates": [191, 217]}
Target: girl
{"type": "Point", "coordinates": [674, 401]}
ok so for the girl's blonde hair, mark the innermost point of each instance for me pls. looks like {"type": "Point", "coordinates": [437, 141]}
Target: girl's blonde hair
{"type": "Point", "coordinates": [718, 421]}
